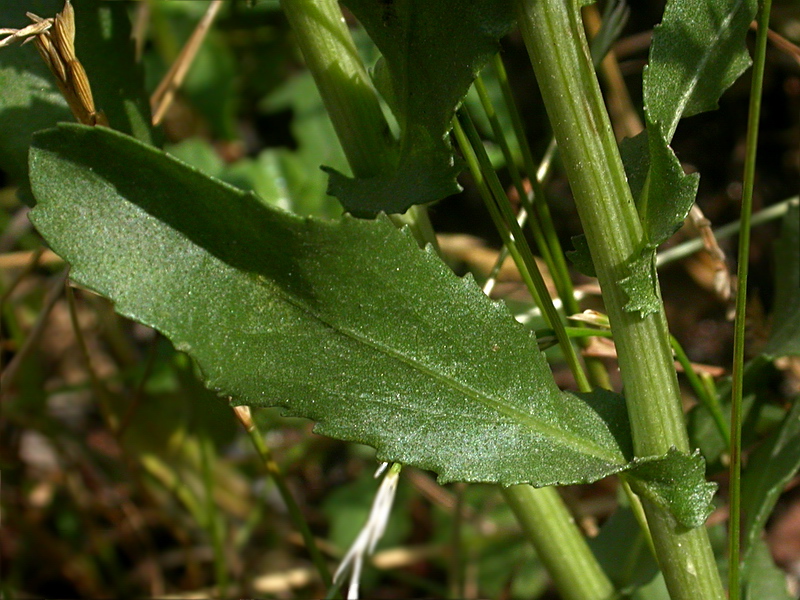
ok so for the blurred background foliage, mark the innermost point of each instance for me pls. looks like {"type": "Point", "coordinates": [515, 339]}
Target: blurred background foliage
{"type": "Point", "coordinates": [122, 476]}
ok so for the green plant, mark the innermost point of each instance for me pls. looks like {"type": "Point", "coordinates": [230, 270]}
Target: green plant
{"type": "Point", "coordinates": [350, 323]}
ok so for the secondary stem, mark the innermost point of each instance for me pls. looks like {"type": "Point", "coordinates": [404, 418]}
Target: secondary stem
{"type": "Point", "coordinates": [734, 524]}
{"type": "Point", "coordinates": [295, 514]}
{"type": "Point", "coordinates": [553, 33]}
{"type": "Point", "coordinates": [343, 82]}
{"type": "Point", "coordinates": [559, 543]}
{"type": "Point", "coordinates": [350, 98]}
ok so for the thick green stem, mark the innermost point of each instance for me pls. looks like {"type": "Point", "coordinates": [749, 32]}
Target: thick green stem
{"type": "Point", "coordinates": [344, 84]}
{"type": "Point", "coordinates": [559, 543]}
{"type": "Point", "coordinates": [553, 33]}
{"type": "Point", "coordinates": [350, 98]}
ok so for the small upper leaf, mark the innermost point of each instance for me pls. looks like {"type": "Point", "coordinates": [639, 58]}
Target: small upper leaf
{"type": "Point", "coordinates": [431, 54]}
{"type": "Point", "coordinates": [698, 51]}
{"type": "Point", "coordinates": [664, 193]}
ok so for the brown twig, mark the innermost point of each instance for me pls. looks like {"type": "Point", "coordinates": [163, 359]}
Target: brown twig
{"type": "Point", "coordinates": [780, 42]}
{"type": "Point", "coordinates": [162, 98]}
{"type": "Point", "coordinates": [17, 260]}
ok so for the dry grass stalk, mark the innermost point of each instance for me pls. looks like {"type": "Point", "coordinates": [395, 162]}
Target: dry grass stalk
{"type": "Point", "coordinates": [164, 95]}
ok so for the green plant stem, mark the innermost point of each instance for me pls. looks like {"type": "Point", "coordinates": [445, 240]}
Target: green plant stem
{"type": "Point", "coordinates": [638, 512]}
{"type": "Point", "coordinates": [559, 543]}
{"type": "Point", "coordinates": [710, 401]}
{"type": "Point", "coordinates": [100, 391]}
{"type": "Point", "coordinates": [497, 203]}
{"type": "Point", "coordinates": [516, 179]}
{"type": "Point", "coordinates": [541, 513]}
{"type": "Point", "coordinates": [343, 83]}
{"type": "Point", "coordinates": [9, 374]}
{"type": "Point", "coordinates": [295, 514]}
{"type": "Point", "coordinates": [734, 525]}
{"type": "Point", "coordinates": [540, 212]}
{"type": "Point", "coordinates": [213, 521]}
{"type": "Point", "coordinates": [350, 98]}
{"type": "Point", "coordinates": [486, 195]}
{"type": "Point", "coordinates": [539, 198]}
{"type": "Point", "coordinates": [554, 35]}
{"type": "Point", "coordinates": [459, 555]}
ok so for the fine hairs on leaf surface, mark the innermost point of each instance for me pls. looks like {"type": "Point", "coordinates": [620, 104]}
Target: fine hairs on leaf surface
{"type": "Point", "coordinates": [347, 323]}
{"type": "Point", "coordinates": [351, 324]}
{"type": "Point", "coordinates": [698, 51]}
{"type": "Point", "coordinates": [429, 62]}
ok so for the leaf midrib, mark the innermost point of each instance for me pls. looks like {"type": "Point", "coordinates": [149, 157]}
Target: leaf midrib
{"type": "Point", "coordinates": [571, 440]}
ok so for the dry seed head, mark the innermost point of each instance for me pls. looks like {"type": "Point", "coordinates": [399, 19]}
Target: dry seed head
{"type": "Point", "coordinates": [55, 40]}
{"type": "Point", "coordinates": [38, 27]}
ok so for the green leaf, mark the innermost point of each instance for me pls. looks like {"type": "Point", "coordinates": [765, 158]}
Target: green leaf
{"type": "Point", "coordinates": [677, 482]}
{"type": "Point", "coordinates": [784, 339]}
{"type": "Point", "coordinates": [348, 323]}
{"type": "Point", "coordinates": [431, 54]}
{"type": "Point", "coordinates": [640, 284]}
{"type": "Point", "coordinates": [769, 469]}
{"type": "Point", "coordinates": [698, 51]}
{"type": "Point", "coordinates": [761, 578]}
{"type": "Point", "coordinates": [30, 100]}
{"type": "Point", "coordinates": [581, 257]}
{"type": "Point", "coordinates": [664, 194]}
{"type": "Point", "coordinates": [689, 69]}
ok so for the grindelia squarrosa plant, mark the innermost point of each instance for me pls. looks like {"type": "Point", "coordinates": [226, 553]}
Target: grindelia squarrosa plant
{"type": "Point", "coordinates": [358, 324]}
